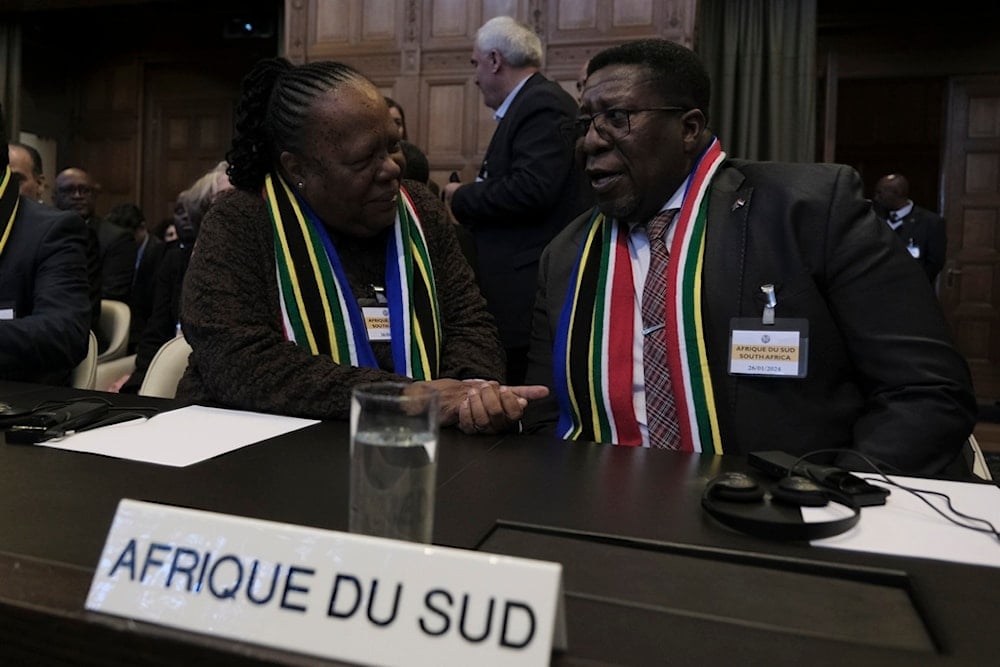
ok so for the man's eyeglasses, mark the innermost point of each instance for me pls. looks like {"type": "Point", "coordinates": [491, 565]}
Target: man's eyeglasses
{"type": "Point", "coordinates": [613, 124]}
{"type": "Point", "coordinates": [74, 189]}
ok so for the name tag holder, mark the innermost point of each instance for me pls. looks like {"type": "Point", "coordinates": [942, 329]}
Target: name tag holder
{"type": "Point", "coordinates": [770, 346]}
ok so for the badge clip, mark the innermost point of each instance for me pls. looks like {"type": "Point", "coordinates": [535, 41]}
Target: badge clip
{"type": "Point", "coordinates": [772, 301]}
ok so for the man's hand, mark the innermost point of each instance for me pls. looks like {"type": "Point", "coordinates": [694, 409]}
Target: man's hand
{"type": "Point", "coordinates": [448, 191]}
{"type": "Point", "coordinates": [491, 407]}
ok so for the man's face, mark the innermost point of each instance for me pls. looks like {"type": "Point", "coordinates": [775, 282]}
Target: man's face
{"type": "Point", "coordinates": [487, 77]}
{"type": "Point", "coordinates": [351, 174]}
{"type": "Point", "coordinates": [75, 192]}
{"type": "Point", "coordinates": [635, 168]}
{"type": "Point", "coordinates": [31, 186]}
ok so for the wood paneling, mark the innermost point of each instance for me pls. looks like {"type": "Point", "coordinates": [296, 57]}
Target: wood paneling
{"type": "Point", "coordinates": [970, 292]}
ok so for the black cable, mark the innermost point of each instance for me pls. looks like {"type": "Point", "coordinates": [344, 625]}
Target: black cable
{"type": "Point", "coordinates": [990, 529]}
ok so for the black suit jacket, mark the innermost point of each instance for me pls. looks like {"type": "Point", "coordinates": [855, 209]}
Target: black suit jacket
{"type": "Point", "coordinates": [883, 376]}
{"type": "Point", "coordinates": [43, 285]}
{"type": "Point", "coordinates": [925, 230]}
{"type": "Point", "coordinates": [140, 301]}
{"type": "Point", "coordinates": [117, 248]}
{"type": "Point", "coordinates": [531, 190]}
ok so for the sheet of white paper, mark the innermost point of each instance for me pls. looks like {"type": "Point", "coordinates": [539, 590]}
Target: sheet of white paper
{"type": "Point", "coordinates": [906, 526]}
{"type": "Point", "coordinates": [181, 437]}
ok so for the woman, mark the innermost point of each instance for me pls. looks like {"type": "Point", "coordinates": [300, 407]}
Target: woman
{"type": "Point", "coordinates": [285, 298]}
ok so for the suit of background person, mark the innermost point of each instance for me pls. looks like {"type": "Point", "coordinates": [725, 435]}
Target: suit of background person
{"type": "Point", "coordinates": [110, 249]}
{"type": "Point", "coordinates": [44, 307]}
{"type": "Point", "coordinates": [883, 376]}
{"type": "Point", "coordinates": [923, 232]}
{"type": "Point", "coordinates": [528, 189]}
{"type": "Point", "coordinates": [26, 163]}
{"type": "Point", "coordinates": [164, 320]}
{"type": "Point", "coordinates": [318, 204]}
{"type": "Point", "coordinates": [149, 254]}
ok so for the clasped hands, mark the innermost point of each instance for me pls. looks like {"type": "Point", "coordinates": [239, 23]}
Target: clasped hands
{"type": "Point", "coordinates": [483, 406]}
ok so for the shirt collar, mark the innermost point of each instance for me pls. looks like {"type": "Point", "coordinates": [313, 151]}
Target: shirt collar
{"type": "Point", "coordinates": [502, 109]}
{"type": "Point", "coordinates": [905, 211]}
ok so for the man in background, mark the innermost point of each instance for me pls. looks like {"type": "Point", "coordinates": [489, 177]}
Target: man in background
{"type": "Point", "coordinates": [110, 249]}
{"type": "Point", "coordinates": [149, 254]}
{"type": "Point", "coordinates": [26, 163]}
{"type": "Point", "coordinates": [921, 231]}
{"type": "Point", "coordinates": [44, 308]}
{"type": "Point", "coordinates": [527, 188]}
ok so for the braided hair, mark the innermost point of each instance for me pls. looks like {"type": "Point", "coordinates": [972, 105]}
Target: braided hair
{"type": "Point", "coordinates": [271, 114]}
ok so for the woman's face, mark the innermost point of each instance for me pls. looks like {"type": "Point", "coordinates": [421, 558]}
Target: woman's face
{"type": "Point", "coordinates": [350, 172]}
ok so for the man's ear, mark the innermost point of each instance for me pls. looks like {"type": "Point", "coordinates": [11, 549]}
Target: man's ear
{"type": "Point", "coordinates": [293, 166]}
{"type": "Point", "coordinates": [693, 122]}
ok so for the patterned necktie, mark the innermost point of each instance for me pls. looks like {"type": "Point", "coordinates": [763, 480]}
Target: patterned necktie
{"type": "Point", "coordinates": [661, 411]}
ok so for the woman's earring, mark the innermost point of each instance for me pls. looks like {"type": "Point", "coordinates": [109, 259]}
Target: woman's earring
{"type": "Point", "coordinates": [300, 185]}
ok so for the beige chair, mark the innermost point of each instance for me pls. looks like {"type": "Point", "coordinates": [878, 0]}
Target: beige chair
{"type": "Point", "coordinates": [110, 371]}
{"type": "Point", "coordinates": [976, 460]}
{"type": "Point", "coordinates": [85, 373]}
{"type": "Point", "coordinates": [115, 321]}
{"type": "Point", "coordinates": [166, 369]}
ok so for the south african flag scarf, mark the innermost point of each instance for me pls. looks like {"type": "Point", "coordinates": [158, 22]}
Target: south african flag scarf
{"type": "Point", "coordinates": [8, 205]}
{"type": "Point", "coordinates": [593, 359]}
{"type": "Point", "coordinates": [321, 313]}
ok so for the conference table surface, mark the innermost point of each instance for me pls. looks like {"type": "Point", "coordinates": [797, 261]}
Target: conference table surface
{"type": "Point", "coordinates": [648, 577]}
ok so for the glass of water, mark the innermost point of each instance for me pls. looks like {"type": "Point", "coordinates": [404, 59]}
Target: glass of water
{"type": "Point", "coordinates": [394, 435]}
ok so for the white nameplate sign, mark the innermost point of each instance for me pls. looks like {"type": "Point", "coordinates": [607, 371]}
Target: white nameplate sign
{"type": "Point", "coordinates": [327, 593]}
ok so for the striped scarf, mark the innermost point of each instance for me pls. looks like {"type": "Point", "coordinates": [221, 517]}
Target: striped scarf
{"type": "Point", "coordinates": [319, 310]}
{"type": "Point", "coordinates": [593, 360]}
{"type": "Point", "coordinates": [8, 205]}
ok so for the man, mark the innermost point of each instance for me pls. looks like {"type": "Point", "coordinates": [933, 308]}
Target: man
{"type": "Point", "coordinates": [527, 189]}
{"type": "Point", "coordinates": [44, 309]}
{"type": "Point", "coordinates": [26, 163]}
{"type": "Point", "coordinates": [786, 319]}
{"type": "Point", "coordinates": [920, 230]}
{"type": "Point", "coordinates": [110, 250]}
{"type": "Point", "coordinates": [149, 255]}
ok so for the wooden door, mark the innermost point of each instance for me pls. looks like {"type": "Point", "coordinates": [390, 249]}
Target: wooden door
{"type": "Point", "coordinates": [188, 129]}
{"type": "Point", "coordinates": [970, 283]}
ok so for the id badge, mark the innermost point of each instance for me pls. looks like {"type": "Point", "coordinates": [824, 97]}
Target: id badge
{"type": "Point", "coordinates": [7, 311]}
{"type": "Point", "coordinates": [377, 323]}
{"type": "Point", "coordinates": [776, 350]}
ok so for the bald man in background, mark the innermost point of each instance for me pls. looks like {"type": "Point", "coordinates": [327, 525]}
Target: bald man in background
{"type": "Point", "coordinates": [26, 165]}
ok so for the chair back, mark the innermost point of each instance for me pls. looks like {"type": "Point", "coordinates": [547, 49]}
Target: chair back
{"type": "Point", "coordinates": [977, 462]}
{"type": "Point", "coordinates": [166, 369]}
{"type": "Point", "coordinates": [84, 376]}
{"type": "Point", "coordinates": [116, 318]}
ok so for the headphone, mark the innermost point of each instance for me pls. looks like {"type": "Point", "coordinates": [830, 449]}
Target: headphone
{"type": "Point", "coordinates": [740, 501]}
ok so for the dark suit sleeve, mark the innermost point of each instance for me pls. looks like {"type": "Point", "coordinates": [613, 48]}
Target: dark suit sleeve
{"type": "Point", "coordinates": [919, 404]}
{"type": "Point", "coordinates": [937, 247]}
{"type": "Point", "coordinates": [53, 336]}
{"type": "Point", "coordinates": [118, 267]}
{"type": "Point", "coordinates": [537, 167]}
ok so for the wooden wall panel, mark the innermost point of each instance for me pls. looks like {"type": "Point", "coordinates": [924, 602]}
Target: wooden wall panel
{"type": "Point", "coordinates": [446, 104]}
{"type": "Point", "coordinates": [379, 21]}
{"type": "Point", "coordinates": [575, 15]}
{"type": "Point", "coordinates": [332, 22]}
{"type": "Point", "coordinates": [635, 13]}
{"type": "Point", "coordinates": [448, 19]}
